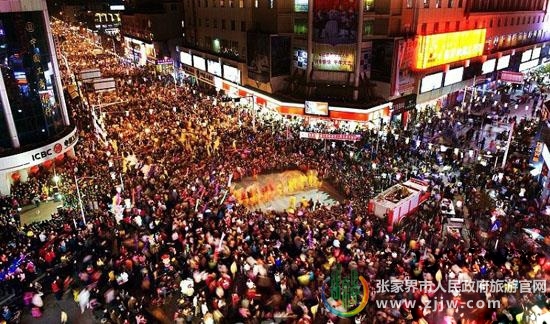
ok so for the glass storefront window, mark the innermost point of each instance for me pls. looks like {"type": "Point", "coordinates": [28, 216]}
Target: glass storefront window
{"type": "Point", "coordinates": [26, 66]}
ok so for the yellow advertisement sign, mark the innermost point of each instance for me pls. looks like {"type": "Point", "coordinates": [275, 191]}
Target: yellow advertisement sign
{"type": "Point", "coordinates": [333, 58]}
{"type": "Point", "coordinates": [438, 49]}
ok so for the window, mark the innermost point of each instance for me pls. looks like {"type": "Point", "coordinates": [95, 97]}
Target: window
{"type": "Point", "coordinates": [368, 26]}
{"type": "Point", "coordinates": [517, 21]}
{"type": "Point", "coordinates": [447, 26]}
{"type": "Point", "coordinates": [241, 3]}
{"type": "Point", "coordinates": [199, 3]}
{"type": "Point", "coordinates": [450, 4]}
{"type": "Point", "coordinates": [243, 26]}
{"type": "Point", "coordinates": [460, 3]}
{"type": "Point", "coordinates": [409, 4]}
{"type": "Point", "coordinates": [424, 29]}
{"type": "Point", "coordinates": [438, 3]}
{"type": "Point", "coordinates": [233, 25]}
{"type": "Point", "coordinates": [300, 26]}
{"type": "Point", "coordinates": [524, 19]}
{"type": "Point", "coordinates": [436, 27]}
{"type": "Point", "coordinates": [426, 3]}
{"type": "Point", "coordinates": [529, 20]}
{"type": "Point", "coordinates": [223, 23]}
{"type": "Point", "coordinates": [368, 5]}
{"type": "Point", "coordinates": [457, 25]}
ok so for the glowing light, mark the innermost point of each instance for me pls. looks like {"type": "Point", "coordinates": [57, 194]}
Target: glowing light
{"type": "Point", "coordinates": [434, 50]}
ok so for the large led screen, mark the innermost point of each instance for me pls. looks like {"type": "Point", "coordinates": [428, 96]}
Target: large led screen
{"type": "Point", "coordinates": [333, 58]}
{"type": "Point", "coordinates": [335, 21]}
{"type": "Point", "coordinates": [316, 108]}
{"type": "Point", "coordinates": [438, 49]}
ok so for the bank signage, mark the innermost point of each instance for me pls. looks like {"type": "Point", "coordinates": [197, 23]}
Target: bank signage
{"type": "Point", "coordinates": [38, 155]}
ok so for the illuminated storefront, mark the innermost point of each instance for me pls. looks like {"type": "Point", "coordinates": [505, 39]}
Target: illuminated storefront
{"type": "Point", "coordinates": [438, 49]}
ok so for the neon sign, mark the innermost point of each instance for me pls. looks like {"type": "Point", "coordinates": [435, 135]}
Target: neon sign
{"type": "Point", "coordinates": [438, 49]}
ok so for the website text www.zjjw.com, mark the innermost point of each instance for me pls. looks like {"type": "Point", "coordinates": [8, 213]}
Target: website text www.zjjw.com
{"type": "Point", "coordinates": [437, 304]}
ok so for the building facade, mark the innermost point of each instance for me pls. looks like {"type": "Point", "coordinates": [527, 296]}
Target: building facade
{"type": "Point", "coordinates": [362, 53]}
{"type": "Point", "coordinates": [34, 122]}
{"type": "Point", "coordinates": [151, 30]}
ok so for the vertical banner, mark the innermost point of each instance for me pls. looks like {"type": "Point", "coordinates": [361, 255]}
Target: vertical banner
{"type": "Point", "coordinates": [258, 56]}
{"type": "Point", "coordinates": [404, 76]}
{"type": "Point", "coordinates": [280, 55]}
{"type": "Point", "coordinates": [335, 21]}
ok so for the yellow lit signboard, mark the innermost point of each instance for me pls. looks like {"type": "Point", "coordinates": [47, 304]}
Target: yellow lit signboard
{"type": "Point", "coordinates": [438, 49]}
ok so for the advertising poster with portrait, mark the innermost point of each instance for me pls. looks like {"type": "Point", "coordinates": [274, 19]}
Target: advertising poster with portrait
{"type": "Point", "coordinates": [335, 21]}
{"type": "Point", "coordinates": [258, 56]}
{"type": "Point", "coordinates": [333, 58]}
{"type": "Point", "coordinates": [404, 78]}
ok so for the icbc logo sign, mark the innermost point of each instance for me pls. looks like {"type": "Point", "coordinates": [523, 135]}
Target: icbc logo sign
{"type": "Point", "coordinates": [57, 148]}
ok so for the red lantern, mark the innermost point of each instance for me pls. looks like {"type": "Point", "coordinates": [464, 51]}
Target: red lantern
{"type": "Point", "coordinates": [15, 176]}
{"type": "Point", "coordinates": [35, 169]}
{"type": "Point", "coordinates": [48, 164]}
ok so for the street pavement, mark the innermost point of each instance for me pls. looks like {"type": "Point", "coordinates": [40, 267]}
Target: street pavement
{"type": "Point", "coordinates": [52, 312]}
{"type": "Point", "coordinates": [31, 214]}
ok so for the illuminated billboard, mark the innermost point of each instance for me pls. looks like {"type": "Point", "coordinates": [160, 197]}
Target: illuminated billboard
{"type": "Point", "coordinates": [186, 58]}
{"type": "Point", "coordinates": [431, 82]}
{"type": "Point", "coordinates": [488, 66]}
{"type": "Point", "coordinates": [453, 76]}
{"type": "Point", "coordinates": [199, 62]}
{"type": "Point", "coordinates": [335, 21]}
{"type": "Point", "coordinates": [438, 49]}
{"type": "Point", "coordinates": [333, 58]}
{"type": "Point", "coordinates": [214, 67]}
{"type": "Point", "coordinates": [503, 62]}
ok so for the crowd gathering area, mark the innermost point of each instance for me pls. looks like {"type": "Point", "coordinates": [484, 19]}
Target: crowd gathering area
{"type": "Point", "coordinates": [166, 238]}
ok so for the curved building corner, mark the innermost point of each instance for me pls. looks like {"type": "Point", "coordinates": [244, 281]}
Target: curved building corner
{"type": "Point", "coordinates": [34, 121]}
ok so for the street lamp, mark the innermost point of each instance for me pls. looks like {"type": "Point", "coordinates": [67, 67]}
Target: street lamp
{"type": "Point", "coordinates": [80, 197]}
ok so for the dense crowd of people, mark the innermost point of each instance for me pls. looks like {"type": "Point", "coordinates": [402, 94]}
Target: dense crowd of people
{"type": "Point", "coordinates": [165, 240]}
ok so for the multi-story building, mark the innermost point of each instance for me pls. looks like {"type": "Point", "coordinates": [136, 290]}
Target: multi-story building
{"type": "Point", "coordinates": [361, 53]}
{"type": "Point", "coordinates": [151, 30]}
{"type": "Point", "coordinates": [34, 123]}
